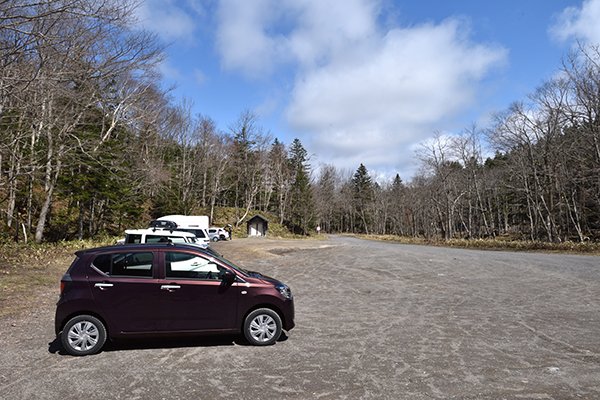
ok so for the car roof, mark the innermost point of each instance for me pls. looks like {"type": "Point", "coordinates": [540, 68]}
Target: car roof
{"type": "Point", "coordinates": [145, 246]}
{"type": "Point", "coordinates": [164, 232]}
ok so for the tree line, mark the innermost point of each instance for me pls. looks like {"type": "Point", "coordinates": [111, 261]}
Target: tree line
{"type": "Point", "coordinates": [91, 143]}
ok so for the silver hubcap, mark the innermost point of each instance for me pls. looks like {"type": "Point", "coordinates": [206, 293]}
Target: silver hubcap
{"type": "Point", "coordinates": [263, 328]}
{"type": "Point", "coordinates": [83, 336]}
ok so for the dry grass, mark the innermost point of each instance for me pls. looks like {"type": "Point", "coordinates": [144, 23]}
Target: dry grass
{"type": "Point", "coordinates": [496, 244]}
{"type": "Point", "coordinates": [28, 270]}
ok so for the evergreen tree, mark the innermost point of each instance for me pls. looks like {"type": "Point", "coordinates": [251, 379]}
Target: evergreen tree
{"type": "Point", "coordinates": [326, 198]}
{"type": "Point", "coordinates": [397, 203]}
{"type": "Point", "coordinates": [363, 195]}
{"type": "Point", "coordinates": [280, 179]}
{"type": "Point", "coordinates": [301, 201]}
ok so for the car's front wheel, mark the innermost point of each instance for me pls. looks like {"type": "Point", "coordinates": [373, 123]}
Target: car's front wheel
{"type": "Point", "coordinates": [262, 327]}
{"type": "Point", "coordinates": [83, 335]}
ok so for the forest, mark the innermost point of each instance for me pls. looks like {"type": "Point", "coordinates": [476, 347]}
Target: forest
{"type": "Point", "coordinates": [91, 143]}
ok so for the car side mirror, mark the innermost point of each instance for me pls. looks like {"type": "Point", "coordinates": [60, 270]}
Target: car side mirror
{"type": "Point", "coordinates": [228, 277]}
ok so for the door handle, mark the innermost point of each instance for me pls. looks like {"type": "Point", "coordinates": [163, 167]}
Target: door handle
{"type": "Point", "coordinates": [169, 288]}
{"type": "Point", "coordinates": [103, 286]}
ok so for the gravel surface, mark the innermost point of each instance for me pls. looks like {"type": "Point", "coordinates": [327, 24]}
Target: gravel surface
{"type": "Point", "coordinates": [374, 320]}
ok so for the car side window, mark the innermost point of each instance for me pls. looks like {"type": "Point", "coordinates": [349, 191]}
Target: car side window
{"type": "Point", "coordinates": [133, 238]}
{"type": "Point", "coordinates": [191, 266]}
{"type": "Point", "coordinates": [136, 264]}
{"type": "Point", "coordinates": [164, 239]}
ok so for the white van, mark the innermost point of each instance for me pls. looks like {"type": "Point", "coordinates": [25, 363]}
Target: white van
{"type": "Point", "coordinates": [196, 224]}
{"type": "Point", "coordinates": [188, 221]}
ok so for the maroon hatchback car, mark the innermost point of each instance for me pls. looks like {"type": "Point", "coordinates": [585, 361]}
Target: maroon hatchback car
{"type": "Point", "coordinates": [165, 289]}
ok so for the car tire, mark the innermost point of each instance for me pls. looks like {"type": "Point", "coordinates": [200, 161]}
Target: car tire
{"type": "Point", "coordinates": [215, 239]}
{"type": "Point", "coordinates": [83, 335]}
{"type": "Point", "coordinates": [262, 327]}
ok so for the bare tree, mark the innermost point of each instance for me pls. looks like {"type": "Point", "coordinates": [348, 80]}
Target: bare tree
{"type": "Point", "coordinates": [71, 56]}
{"type": "Point", "coordinates": [249, 162]}
{"type": "Point", "coordinates": [326, 198]}
{"type": "Point", "coordinates": [444, 171]}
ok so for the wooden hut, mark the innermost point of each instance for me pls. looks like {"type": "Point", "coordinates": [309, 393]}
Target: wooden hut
{"type": "Point", "coordinates": [258, 226]}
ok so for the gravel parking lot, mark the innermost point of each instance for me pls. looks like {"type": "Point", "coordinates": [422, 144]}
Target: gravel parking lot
{"type": "Point", "coordinates": [374, 320]}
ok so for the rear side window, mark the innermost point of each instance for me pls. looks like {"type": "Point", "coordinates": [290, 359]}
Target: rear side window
{"type": "Point", "coordinates": [138, 264]}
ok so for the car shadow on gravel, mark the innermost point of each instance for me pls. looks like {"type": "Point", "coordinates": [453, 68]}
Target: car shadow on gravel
{"type": "Point", "coordinates": [55, 346]}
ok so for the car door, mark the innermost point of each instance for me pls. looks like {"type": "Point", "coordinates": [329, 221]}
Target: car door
{"type": "Point", "coordinates": [194, 297]}
{"type": "Point", "coordinates": [126, 291]}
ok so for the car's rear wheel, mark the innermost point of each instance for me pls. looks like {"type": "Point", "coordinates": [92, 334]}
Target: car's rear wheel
{"type": "Point", "coordinates": [262, 327]}
{"type": "Point", "coordinates": [215, 239]}
{"type": "Point", "coordinates": [83, 335]}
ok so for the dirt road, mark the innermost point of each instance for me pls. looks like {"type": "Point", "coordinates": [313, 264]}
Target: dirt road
{"type": "Point", "coordinates": [374, 321]}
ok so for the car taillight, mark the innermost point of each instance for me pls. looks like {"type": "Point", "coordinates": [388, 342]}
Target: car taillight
{"type": "Point", "coordinates": [66, 278]}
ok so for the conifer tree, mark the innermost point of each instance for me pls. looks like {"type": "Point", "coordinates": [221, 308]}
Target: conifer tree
{"type": "Point", "coordinates": [362, 190]}
{"type": "Point", "coordinates": [301, 201]}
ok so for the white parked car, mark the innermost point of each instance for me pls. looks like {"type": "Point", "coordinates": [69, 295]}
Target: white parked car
{"type": "Point", "coordinates": [136, 236]}
{"type": "Point", "coordinates": [216, 234]}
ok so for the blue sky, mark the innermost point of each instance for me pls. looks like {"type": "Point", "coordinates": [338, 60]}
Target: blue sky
{"type": "Point", "coordinates": [363, 81]}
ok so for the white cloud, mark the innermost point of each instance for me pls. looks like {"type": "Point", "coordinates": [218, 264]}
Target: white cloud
{"type": "Point", "coordinates": [361, 94]}
{"type": "Point", "coordinates": [199, 7]}
{"type": "Point", "coordinates": [170, 72]}
{"type": "Point", "coordinates": [242, 37]}
{"type": "Point", "coordinates": [416, 76]}
{"type": "Point", "coordinates": [579, 23]}
{"type": "Point", "coordinates": [167, 18]}
{"type": "Point", "coordinates": [255, 37]}
{"type": "Point", "coordinates": [326, 29]}
{"type": "Point", "coordinates": [372, 108]}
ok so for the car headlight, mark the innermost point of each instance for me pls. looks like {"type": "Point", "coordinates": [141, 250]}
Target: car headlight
{"type": "Point", "coordinates": [285, 291]}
